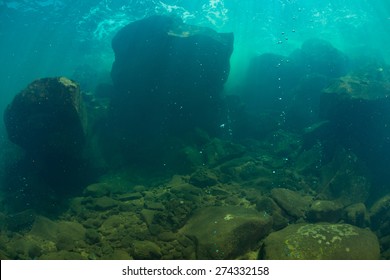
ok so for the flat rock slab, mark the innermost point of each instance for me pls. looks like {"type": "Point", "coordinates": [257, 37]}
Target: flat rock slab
{"type": "Point", "coordinates": [226, 232]}
{"type": "Point", "coordinates": [321, 242]}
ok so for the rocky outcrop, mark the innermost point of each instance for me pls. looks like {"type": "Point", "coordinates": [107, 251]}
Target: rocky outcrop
{"type": "Point", "coordinates": [167, 77]}
{"type": "Point", "coordinates": [357, 107]}
{"type": "Point", "coordinates": [48, 121]}
{"type": "Point", "coordinates": [47, 118]}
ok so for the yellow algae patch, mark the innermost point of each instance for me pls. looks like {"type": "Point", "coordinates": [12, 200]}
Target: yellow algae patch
{"type": "Point", "coordinates": [228, 217]}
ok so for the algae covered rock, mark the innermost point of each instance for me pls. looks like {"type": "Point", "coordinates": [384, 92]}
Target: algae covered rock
{"type": "Point", "coordinates": [321, 242]}
{"type": "Point", "coordinates": [324, 211]}
{"type": "Point", "coordinates": [357, 215]}
{"type": "Point", "coordinates": [146, 250]}
{"type": "Point", "coordinates": [66, 235]}
{"type": "Point", "coordinates": [292, 202]}
{"type": "Point", "coordinates": [226, 232]}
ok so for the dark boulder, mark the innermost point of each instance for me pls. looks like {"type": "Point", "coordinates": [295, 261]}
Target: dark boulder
{"type": "Point", "coordinates": [167, 77]}
{"type": "Point", "coordinates": [357, 107]}
{"type": "Point", "coordinates": [47, 120]}
{"type": "Point", "coordinates": [47, 117]}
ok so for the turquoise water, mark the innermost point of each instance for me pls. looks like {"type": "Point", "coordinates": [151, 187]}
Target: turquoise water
{"type": "Point", "coordinates": [51, 38]}
{"type": "Point", "coordinates": [271, 133]}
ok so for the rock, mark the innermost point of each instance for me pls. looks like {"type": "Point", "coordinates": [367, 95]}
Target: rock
{"type": "Point", "coordinates": [324, 211]}
{"type": "Point", "coordinates": [203, 178]}
{"type": "Point", "coordinates": [268, 205]}
{"type": "Point", "coordinates": [385, 242]}
{"type": "Point", "coordinates": [104, 203]}
{"type": "Point", "coordinates": [226, 232]}
{"type": "Point", "coordinates": [292, 202]}
{"type": "Point", "coordinates": [344, 179]}
{"type": "Point", "coordinates": [25, 247]}
{"type": "Point", "coordinates": [321, 242]}
{"type": "Point", "coordinates": [245, 168]}
{"type": "Point", "coordinates": [357, 107]}
{"type": "Point", "coordinates": [168, 78]}
{"type": "Point", "coordinates": [48, 118]}
{"type": "Point", "coordinates": [92, 236]}
{"type": "Point", "coordinates": [48, 121]}
{"type": "Point", "coordinates": [97, 190]}
{"type": "Point", "coordinates": [152, 205]}
{"type": "Point", "coordinates": [64, 234]}
{"type": "Point", "coordinates": [21, 221]}
{"type": "Point", "coordinates": [380, 216]}
{"type": "Point", "coordinates": [148, 216]}
{"type": "Point", "coordinates": [357, 215]}
{"type": "Point", "coordinates": [146, 250]}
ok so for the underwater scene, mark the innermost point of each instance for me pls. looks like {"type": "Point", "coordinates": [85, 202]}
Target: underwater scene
{"type": "Point", "coordinates": [202, 129]}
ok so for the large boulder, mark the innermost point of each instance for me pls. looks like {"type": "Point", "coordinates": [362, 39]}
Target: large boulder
{"type": "Point", "coordinates": [47, 117]}
{"type": "Point", "coordinates": [357, 107]}
{"type": "Point", "coordinates": [48, 121]}
{"type": "Point", "coordinates": [321, 242]}
{"type": "Point", "coordinates": [168, 75]}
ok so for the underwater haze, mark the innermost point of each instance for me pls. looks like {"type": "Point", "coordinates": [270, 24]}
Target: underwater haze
{"type": "Point", "coordinates": [194, 129]}
{"type": "Point", "coordinates": [49, 38]}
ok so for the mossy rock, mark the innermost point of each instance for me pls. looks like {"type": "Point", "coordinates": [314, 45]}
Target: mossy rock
{"type": "Point", "coordinates": [65, 234]}
{"type": "Point", "coordinates": [146, 250]}
{"type": "Point", "coordinates": [321, 242]}
{"type": "Point", "coordinates": [226, 232]}
{"type": "Point", "coordinates": [325, 211]}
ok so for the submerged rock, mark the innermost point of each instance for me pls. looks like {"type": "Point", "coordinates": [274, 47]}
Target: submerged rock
{"type": "Point", "coordinates": [292, 202]}
{"type": "Point", "coordinates": [357, 107]}
{"type": "Point", "coordinates": [380, 216]}
{"type": "Point", "coordinates": [325, 211]}
{"type": "Point", "coordinates": [321, 242]}
{"type": "Point", "coordinates": [47, 118]}
{"type": "Point", "coordinates": [226, 232]}
{"type": "Point", "coordinates": [168, 77]}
